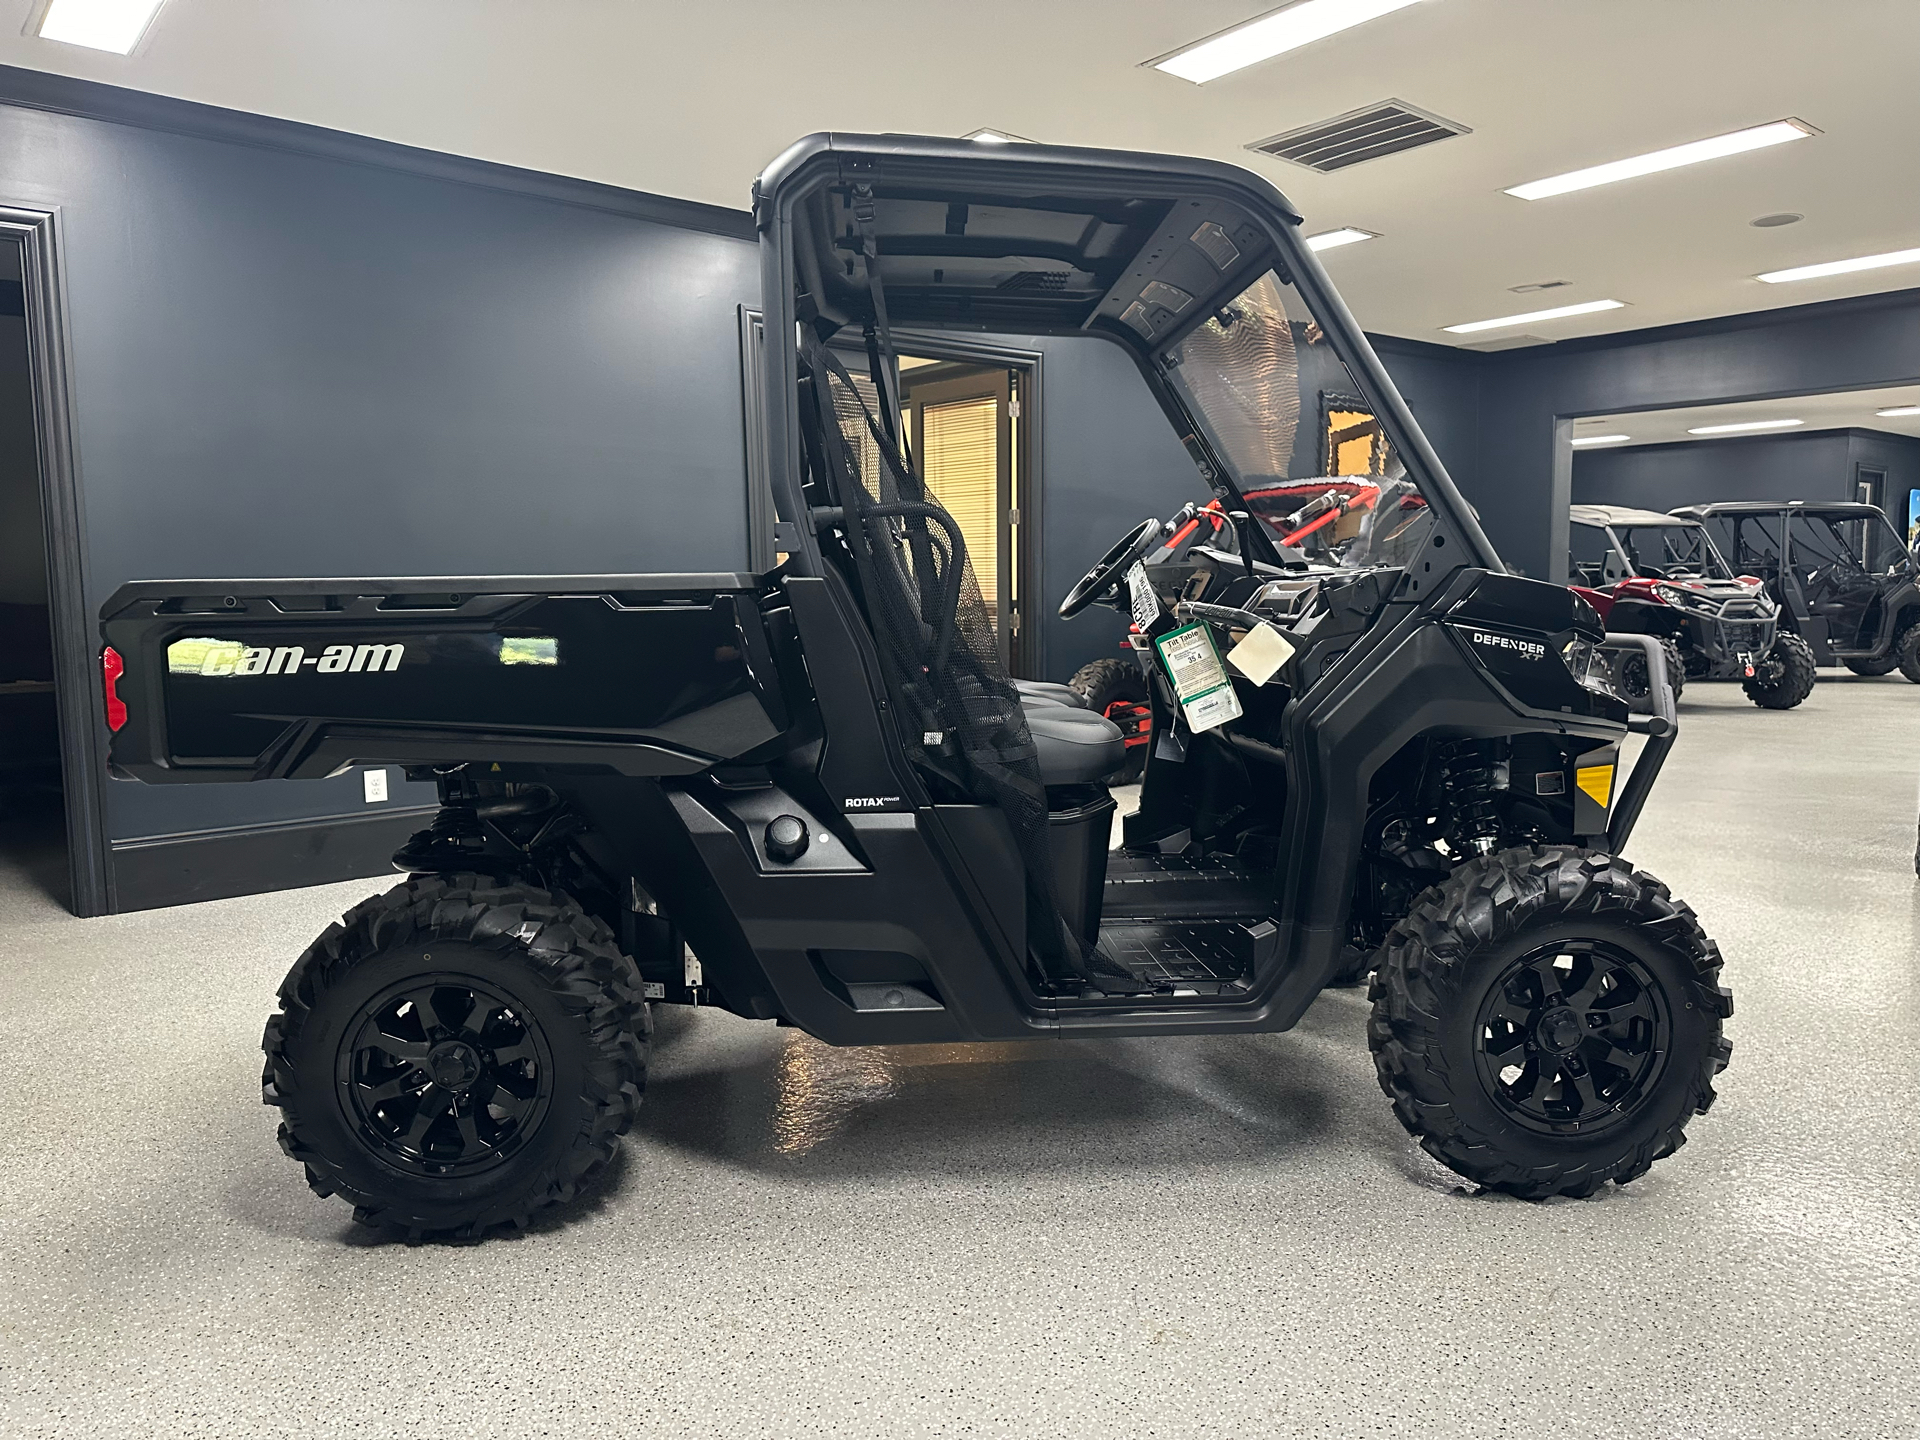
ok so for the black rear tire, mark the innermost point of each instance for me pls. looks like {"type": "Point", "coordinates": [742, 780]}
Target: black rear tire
{"type": "Point", "coordinates": [1115, 688]}
{"type": "Point", "coordinates": [1871, 668]}
{"type": "Point", "coordinates": [1785, 675]}
{"type": "Point", "coordinates": [1626, 989]}
{"type": "Point", "coordinates": [1907, 652]}
{"type": "Point", "coordinates": [457, 1054]}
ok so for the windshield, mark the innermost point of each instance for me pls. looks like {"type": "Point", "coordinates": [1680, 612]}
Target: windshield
{"type": "Point", "coordinates": [1866, 542]}
{"type": "Point", "coordinates": [1669, 551]}
{"type": "Point", "coordinates": [1283, 413]}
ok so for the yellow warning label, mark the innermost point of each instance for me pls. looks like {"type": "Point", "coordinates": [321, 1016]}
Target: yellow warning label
{"type": "Point", "coordinates": [1597, 781]}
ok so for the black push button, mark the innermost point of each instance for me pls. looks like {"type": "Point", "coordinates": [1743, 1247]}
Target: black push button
{"type": "Point", "coordinates": [786, 838]}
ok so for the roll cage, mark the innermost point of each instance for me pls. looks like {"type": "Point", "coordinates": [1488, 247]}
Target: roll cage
{"type": "Point", "coordinates": [1137, 250]}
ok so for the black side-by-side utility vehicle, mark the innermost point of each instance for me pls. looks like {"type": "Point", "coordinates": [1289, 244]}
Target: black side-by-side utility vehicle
{"type": "Point", "coordinates": [815, 796]}
{"type": "Point", "coordinates": [1843, 576]}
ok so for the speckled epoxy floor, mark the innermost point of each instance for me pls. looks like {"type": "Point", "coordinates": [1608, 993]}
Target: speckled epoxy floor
{"type": "Point", "coordinates": [1172, 1238]}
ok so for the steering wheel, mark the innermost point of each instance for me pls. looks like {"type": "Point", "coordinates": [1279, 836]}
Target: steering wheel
{"type": "Point", "coordinates": [1109, 568]}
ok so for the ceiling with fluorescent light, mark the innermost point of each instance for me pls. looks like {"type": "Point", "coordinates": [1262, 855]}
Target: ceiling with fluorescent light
{"type": "Point", "coordinates": [1846, 409]}
{"type": "Point", "coordinates": [693, 100]}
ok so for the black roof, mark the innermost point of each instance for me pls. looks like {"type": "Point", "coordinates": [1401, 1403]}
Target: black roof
{"type": "Point", "coordinates": [1025, 238]}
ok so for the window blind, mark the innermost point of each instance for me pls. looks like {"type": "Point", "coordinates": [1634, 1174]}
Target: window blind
{"type": "Point", "coordinates": [960, 461]}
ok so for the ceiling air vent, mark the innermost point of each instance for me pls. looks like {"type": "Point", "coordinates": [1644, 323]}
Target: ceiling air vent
{"type": "Point", "coordinates": [1365, 134]}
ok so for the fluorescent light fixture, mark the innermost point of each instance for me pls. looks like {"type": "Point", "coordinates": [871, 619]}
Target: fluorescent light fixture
{"type": "Point", "coordinates": [115, 25]}
{"type": "Point", "coordinates": [1899, 410]}
{"type": "Point", "coordinates": [1599, 439]}
{"type": "Point", "coordinates": [996, 137]}
{"type": "Point", "coordinates": [1842, 267]}
{"type": "Point", "coordinates": [1736, 143]}
{"type": "Point", "coordinates": [1270, 35]}
{"type": "Point", "coordinates": [1744, 425]}
{"type": "Point", "coordinates": [1557, 313]}
{"type": "Point", "coordinates": [1334, 239]}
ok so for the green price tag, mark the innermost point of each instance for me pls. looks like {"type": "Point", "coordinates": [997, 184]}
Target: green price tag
{"type": "Point", "coordinates": [1199, 679]}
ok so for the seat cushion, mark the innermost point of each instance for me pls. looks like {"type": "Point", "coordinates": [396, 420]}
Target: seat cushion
{"type": "Point", "coordinates": [1046, 692]}
{"type": "Point", "coordinates": [1077, 747]}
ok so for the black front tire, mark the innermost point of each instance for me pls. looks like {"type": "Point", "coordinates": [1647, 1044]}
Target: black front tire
{"type": "Point", "coordinates": [1115, 688]}
{"type": "Point", "coordinates": [1785, 675]}
{"type": "Point", "coordinates": [457, 1054]}
{"type": "Point", "coordinates": [1636, 676]}
{"type": "Point", "coordinates": [1457, 977]}
{"type": "Point", "coordinates": [1907, 652]}
{"type": "Point", "coordinates": [1676, 666]}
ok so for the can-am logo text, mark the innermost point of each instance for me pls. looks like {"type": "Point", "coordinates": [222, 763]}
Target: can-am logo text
{"type": "Point", "coordinates": [292, 659]}
{"type": "Point", "coordinates": [1531, 649]}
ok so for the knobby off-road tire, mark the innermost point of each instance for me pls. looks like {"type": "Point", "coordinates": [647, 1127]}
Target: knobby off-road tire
{"type": "Point", "coordinates": [1676, 666]}
{"type": "Point", "coordinates": [1785, 675]}
{"type": "Point", "coordinates": [1544, 960]}
{"type": "Point", "coordinates": [457, 1054]}
{"type": "Point", "coordinates": [1907, 653]}
{"type": "Point", "coordinates": [1111, 682]}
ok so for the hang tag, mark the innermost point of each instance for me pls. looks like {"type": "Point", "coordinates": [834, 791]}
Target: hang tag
{"type": "Point", "coordinates": [1199, 680]}
{"type": "Point", "coordinates": [1146, 604]}
{"type": "Point", "coordinates": [1260, 654]}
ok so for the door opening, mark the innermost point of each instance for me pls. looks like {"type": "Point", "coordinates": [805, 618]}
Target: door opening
{"type": "Point", "coordinates": [963, 421]}
{"type": "Point", "coordinates": [33, 838]}
{"type": "Point", "coordinates": [979, 454]}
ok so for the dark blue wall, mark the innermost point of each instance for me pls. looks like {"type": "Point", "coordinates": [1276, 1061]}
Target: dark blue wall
{"type": "Point", "coordinates": [296, 363]}
{"type": "Point", "coordinates": [1522, 480]}
{"type": "Point", "coordinates": [1109, 459]}
{"type": "Point", "coordinates": [1759, 467]}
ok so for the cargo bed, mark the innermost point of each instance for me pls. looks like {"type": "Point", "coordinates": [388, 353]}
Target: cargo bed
{"type": "Point", "coordinates": [266, 679]}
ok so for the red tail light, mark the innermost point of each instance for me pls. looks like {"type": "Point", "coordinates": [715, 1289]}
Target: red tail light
{"type": "Point", "coordinates": [113, 668]}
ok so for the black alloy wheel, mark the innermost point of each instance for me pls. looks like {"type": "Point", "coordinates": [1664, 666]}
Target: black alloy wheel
{"type": "Point", "coordinates": [1635, 676]}
{"type": "Point", "coordinates": [1571, 1036]}
{"type": "Point", "coordinates": [457, 1054]}
{"type": "Point", "coordinates": [445, 1076]}
{"type": "Point", "coordinates": [1547, 1019]}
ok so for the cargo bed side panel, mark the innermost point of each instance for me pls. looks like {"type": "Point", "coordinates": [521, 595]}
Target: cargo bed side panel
{"type": "Point", "coordinates": [639, 675]}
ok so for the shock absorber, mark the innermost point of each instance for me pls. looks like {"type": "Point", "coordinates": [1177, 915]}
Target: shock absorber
{"type": "Point", "coordinates": [1473, 773]}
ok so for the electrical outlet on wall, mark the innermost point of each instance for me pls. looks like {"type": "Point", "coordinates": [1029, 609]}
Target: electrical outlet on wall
{"type": "Point", "coordinates": [375, 782]}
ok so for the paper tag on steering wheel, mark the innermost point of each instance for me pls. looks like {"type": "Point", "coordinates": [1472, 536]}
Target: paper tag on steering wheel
{"type": "Point", "coordinates": [1146, 604]}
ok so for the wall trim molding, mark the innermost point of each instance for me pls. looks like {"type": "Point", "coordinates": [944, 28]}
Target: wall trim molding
{"type": "Point", "coordinates": [76, 644]}
{"type": "Point", "coordinates": [118, 105]}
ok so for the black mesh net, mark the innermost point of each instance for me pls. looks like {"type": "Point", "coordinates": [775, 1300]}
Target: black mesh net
{"type": "Point", "coordinates": [955, 708]}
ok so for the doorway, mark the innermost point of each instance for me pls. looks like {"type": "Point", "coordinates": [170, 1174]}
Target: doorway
{"type": "Point", "coordinates": [963, 421]}
{"type": "Point", "coordinates": [33, 840]}
{"type": "Point", "coordinates": [973, 415]}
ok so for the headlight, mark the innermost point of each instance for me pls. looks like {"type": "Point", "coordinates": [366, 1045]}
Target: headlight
{"type": "Point", "coordinates": [1682, 598]}
{"type": "Point", "coordinates": [1583, 662]}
